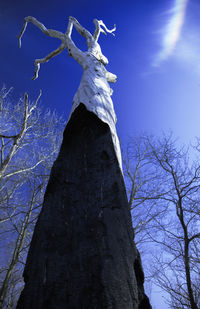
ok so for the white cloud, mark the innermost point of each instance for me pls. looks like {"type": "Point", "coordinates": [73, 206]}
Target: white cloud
{"type": "Point", "coordinates": [172, 31]}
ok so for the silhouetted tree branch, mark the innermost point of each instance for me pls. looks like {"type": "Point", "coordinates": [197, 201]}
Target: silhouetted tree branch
{"type": "Point", "coordinates": [163, 186]}
{"type": "Point", "coordinates": [29, 142]}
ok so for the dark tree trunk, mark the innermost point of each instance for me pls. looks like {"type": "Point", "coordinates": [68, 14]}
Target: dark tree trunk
{"type": "Point", "coordinates": [82, 254]}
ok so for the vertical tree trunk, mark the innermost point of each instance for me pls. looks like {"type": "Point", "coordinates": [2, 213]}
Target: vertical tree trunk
{"type": "Point", "coordinates": [186, 255]}
{"type": "Point", "coordinates": [82, 253]}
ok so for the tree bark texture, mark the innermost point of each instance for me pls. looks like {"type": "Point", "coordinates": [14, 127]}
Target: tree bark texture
{"type": "Point", "coordinates": [82, 254]}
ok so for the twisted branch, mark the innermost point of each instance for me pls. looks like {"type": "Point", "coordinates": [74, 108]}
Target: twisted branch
{"type": "Point", "coordinates": [48, 32]}
{"type": "Point", "coordinates": [46, 59]}
{"type": "Point", "coordinates": [98, 25]}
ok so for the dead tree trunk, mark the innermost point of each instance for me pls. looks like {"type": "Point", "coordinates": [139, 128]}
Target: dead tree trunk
{"type": "Point", "coordinates": [82, 253]}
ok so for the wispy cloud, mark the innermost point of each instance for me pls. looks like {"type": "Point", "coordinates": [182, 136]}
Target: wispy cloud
{"type": "Point", "coordinates": [172, 31]}
{"type": "Point", "coordinates": [188, 50]}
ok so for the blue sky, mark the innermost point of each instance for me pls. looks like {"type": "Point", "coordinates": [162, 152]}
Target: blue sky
{"type": "Point", "coordinates": [155, 54]}
{"type": "Point", "coordinates": [158, 88]}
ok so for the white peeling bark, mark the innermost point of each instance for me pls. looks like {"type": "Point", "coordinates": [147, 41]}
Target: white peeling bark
{"type": "Point", "coordinates": [94, 91]}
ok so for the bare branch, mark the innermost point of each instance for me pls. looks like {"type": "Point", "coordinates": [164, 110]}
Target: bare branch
{"type": "Point", "coordinates": [17, 138]}
{"type": "Point", "coordinates": [21, 33]}
{"type": "Point", "coordinates": [23, 170]}
{"type": "Point", "coordinates": [194, 236]}
{"type": "Point", "coordinates": [48, 32]}
{"type": "Point", "coordinates": [8, 136]}
{"type": "Point", "coordinates": [36, 102]}
{"type": "Point", "coordinates": [46, 59]}
{"type": "Point", "coordinates": [81, 30]}
{"type": "Point", "coordinates": [98, 25]}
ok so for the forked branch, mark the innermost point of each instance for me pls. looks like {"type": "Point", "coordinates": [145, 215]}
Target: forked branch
{"type": "Point", "coordinates": [48, 32]}
{"type": "Point", "coordinates": [17, 138]}
{"type": "Point", "coordinates": [80, 29]}
{"type": "Point", "coordinates": [99, 24]}
{"type": "Point", "coordinates": [66, 38]}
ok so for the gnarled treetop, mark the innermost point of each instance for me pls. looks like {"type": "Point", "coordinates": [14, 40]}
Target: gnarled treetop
{"type": "Point", "coordinates": [67, 41]}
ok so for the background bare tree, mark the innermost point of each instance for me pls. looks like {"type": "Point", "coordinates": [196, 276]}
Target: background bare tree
{"type": "Point", "coordinates": [29, 142]}
{"type": "Point", "coordinates": [164, 195]}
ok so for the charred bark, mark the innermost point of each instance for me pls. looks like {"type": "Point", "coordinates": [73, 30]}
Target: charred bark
{"type": "Point", "coordinates": [82, 254]}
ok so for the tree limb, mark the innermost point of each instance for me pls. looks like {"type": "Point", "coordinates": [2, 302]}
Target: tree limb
{"type": "Point", "coordinates": [98, 30]}
{"type": "Point", "coordinates": [17, 138]}
{"type": "Point", "coordinates": [46, 59]}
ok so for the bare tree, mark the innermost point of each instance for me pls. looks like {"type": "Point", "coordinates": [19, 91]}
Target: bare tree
{"type": "Point", "coordinates": [164, 185]}
{"type": "Point", "coordinates": [142, 179]}
{"type": "Point", "coordinates": [30, 139]}
{"type": "Point", "coordinates": [95, 93]}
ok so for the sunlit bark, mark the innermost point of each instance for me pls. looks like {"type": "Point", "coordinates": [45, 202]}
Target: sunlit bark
{"type": "Point", "coordinates": [94, 91]}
